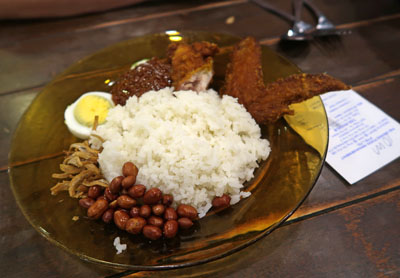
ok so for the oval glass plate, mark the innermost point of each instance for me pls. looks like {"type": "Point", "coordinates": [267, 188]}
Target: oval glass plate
{"type": "Point", "coordinates": [280, 184]}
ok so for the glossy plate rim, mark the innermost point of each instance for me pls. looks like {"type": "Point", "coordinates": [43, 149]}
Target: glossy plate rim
{"type": "Point", "coordinates": [87, 258]}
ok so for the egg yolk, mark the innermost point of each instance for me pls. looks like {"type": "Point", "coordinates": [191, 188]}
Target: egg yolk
{"type": "Point", "coordinates": [89, 107]}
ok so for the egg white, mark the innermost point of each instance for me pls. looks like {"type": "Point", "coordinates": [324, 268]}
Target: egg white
{"type": "Point", "coordinates": [76, 128]}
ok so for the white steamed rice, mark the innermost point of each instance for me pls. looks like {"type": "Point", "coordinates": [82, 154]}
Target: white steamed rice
{"type": "Point", "coordinates": [120, 247]}
{"type": "Point", "coordinates": [193, 145]}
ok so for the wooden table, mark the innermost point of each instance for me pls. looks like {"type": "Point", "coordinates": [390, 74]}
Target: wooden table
{"type": "Point", "coordinates": [339, 231]}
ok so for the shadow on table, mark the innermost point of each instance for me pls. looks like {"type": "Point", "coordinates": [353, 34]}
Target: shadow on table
{"type": "Point", "coordinates": [295, 49]}
{"type": "Point", "coordinates": [277, 243]}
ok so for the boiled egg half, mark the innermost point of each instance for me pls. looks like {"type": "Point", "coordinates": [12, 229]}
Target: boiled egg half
{"type": "Point", "coordinates": [80, 116]}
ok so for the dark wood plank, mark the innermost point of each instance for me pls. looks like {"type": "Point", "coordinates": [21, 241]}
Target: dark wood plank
{"type": "Point", "coordinates": [27, 254]}
{"type": "Point", "coordinates": [22, 30]}
{"type": "Point", "coordinates": [329, 193]}
{"type": "Point", "coordinates": [364, 54]}
{"type": "Point", "coordinates": [327, 237]}
{"type": "Point", "coordinates": [383, 94]}
{"type": "Point", "coordinates": [340, 12]}
{"type": "Point", "coordinates": [329, 186]}
{"type": "Point", "coordinates": [355, 241]}
{"type": "Point", "coordinates": [331, 190]}
{"type": "Point", "coordinates": [35, 61]}
{"type": "Point", "coordinates": [52, 54]}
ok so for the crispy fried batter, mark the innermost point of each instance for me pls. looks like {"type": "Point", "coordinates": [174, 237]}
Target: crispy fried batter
{"type": "Point", "coordinates": [295, 88]}
{"type": "Point", "coordinates": [244, 77]}
{"type": "Point", "coordinates": [192, 64]}
{"type": "Point", "coordinates": [244, 80]}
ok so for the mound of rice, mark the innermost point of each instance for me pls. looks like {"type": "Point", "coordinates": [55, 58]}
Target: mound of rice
{"type": "Point", "coordinates": [193, 145]}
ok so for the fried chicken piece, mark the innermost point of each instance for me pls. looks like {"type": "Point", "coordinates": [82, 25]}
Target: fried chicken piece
{"type": "Point", "coordinates": [244, 77]}
{"type": "Point", "coordinates": [244, 80]}
{"type": "Point", "coordinates": [192, 65]}
{"type": "Point", "coordinates": [152, 75]}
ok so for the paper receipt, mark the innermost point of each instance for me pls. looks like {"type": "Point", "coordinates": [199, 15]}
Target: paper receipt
{"type": "Point", "coordinates": [362, 138]}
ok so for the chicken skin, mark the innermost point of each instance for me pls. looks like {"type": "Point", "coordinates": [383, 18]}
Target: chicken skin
{"type": "Point", "coordinates": [192, 65]}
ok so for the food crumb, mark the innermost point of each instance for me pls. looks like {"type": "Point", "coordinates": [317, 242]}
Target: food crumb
{"type": "Point", "coordinates": [230, 20]}
{"type": "Point", "coordinates": [75, 218]}
{"type": "Point", "coordinates": [120, 247]}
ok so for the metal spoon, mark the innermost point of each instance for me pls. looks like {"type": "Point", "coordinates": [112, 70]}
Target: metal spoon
{"type": "Point", "coordinates": [324, 27]}
{"type": "Point", "coordinates": [300, 28]}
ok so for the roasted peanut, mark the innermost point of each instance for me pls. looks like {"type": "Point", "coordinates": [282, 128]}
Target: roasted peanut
{"type": "Point", "coordinates": [134, 212]}
{"type": "Point", "coordinates": [185, 223]}
{"type": "Point", "coordinates": [152, 232]}
{"type": "Point", "coordinates": [115, 185]}
{"type": "Point", "coordinates": [170, 214]}
{"type": "Point", "coordinates": [187, 211]}
{"type": "Point", "coordinates": [128, 181]}
{"type": "Point", "coordinates": [96, 210]}
{"type": "Point", "coordinates": [110, 196]}
{"type": "Point", "coordinates": [137, 191]}
{"type": "Point", "coordinates": [86, 202]}
{"type": "Point", "coordinates": [120, 219]}
{"type": "Point", "coordinates": [220, 202]}
{"type": "Point", "coordinates": [108, 215]}
{"type": "Point", "coordinates": [135, 225]}
{"type": "Point", "coordinates": [158, 209]}
{"type": "Point", "coordinates": [129, 169]}
{"type": "Point", "coordinates": [126, 202]}
{"type": "Point", "coordinates": [145, 211]}
{"type": "Point", "coordinates": [95, 191]}
{"type": "Point", "coordinates": [152, 196]}
{"type": "Point", "coordinates": [170, 228]}
{"type": "Point", "coordinates": [167, 200]}
{"type": "Point", "coordinates": [118, 203]}
{"type": "Point", "coordinates": [155, 221]}
{"type": "Point", "coordinates": [113, 204]}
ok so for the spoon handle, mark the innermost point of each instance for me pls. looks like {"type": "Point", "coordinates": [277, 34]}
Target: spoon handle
{"type": "Point", "coordinates": [298, 5]}
{"type": "Point", "coordinates": [313, 7]}
{"type": "Point", "coordinates": [267, 6]}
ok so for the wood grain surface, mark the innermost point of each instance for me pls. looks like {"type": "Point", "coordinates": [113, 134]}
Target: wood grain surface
{"type": "Point", "coordinates": [339, 231]}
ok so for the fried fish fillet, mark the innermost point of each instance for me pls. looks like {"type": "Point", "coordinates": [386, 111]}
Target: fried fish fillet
{"type": "Point", "coordinates": [192, 64]}
{"type": "Point", "coordinates": [295, 88]}
{"type": "Point", "coordinates": [267, 103]}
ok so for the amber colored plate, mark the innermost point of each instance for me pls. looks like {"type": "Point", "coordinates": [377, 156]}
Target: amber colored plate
{"type": "Point", "coordinates": [280, 184]}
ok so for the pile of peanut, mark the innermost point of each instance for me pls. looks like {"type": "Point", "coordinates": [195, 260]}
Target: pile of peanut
{"type": "Point", "coordinates": [136, 210]}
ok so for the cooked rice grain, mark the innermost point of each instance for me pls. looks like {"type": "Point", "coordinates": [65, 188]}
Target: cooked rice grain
{"type": "Point", "coordinates": [193, 145]}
